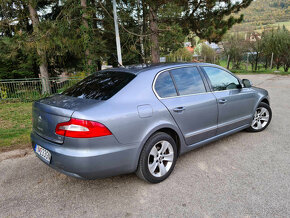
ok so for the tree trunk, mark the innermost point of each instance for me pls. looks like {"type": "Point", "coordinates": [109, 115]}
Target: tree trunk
{"type": "Point", "coordinates": [154, 35]}
{"type": "Point", "coordinates": [86, 25]}
{"type": "Point", "coordinates": [256, 62]}
{"type": "Point", "coordinates": [41, 53]}
{"type": "Point", "coordinates": [140, 22]}
{"type": "Point", "coordinates": [286, 67]}
{"type": "Point", "coordinates": [228, 61]}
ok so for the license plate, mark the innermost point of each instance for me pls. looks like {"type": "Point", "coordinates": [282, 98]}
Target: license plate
{"type": "Point", "coordinates": [42, 152]}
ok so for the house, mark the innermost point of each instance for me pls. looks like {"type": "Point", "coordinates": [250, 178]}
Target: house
{"type": "Point", "coordinates": [252, 37]}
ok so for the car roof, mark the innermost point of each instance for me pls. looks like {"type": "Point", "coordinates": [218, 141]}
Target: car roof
{"type": "Point", "coordinates": [136, 69]}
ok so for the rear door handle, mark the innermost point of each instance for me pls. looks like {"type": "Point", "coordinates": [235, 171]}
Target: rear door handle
{"type": "Point", "coordinates": [222, 101]}
{"type": "Point", "coordinates": [179, 109]}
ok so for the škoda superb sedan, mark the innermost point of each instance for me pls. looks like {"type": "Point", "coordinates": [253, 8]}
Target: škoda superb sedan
{"type": "Point", "coordinates": [140, 119]}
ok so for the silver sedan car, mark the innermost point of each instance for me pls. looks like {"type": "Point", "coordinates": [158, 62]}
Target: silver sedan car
{"type": "Point", "coordinates": [141, 118]}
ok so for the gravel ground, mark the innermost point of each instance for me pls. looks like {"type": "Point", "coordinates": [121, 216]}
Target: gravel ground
{"type": "Point", "coordinates": [243, 175]}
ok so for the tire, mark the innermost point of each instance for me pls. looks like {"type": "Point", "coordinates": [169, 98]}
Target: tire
{"type": "Point", "coordinates": [261, 118]}
{"type": "Point", "coordinates": [159, 160]}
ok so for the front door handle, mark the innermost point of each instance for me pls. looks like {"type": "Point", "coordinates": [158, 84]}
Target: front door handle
{"type": "Point", "coordinates": [179, 109]}
{"type": "Point", "coordinates": [222, 101]}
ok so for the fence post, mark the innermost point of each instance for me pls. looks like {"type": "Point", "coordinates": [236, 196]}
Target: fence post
{"type": "Point", "coordinates": [247, 64]}
{"type": "Point", "coordinates": [271, 64]}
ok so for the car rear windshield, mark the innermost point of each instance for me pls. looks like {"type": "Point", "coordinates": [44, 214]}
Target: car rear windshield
{"type": "Point", "coordinates": [100, 85]}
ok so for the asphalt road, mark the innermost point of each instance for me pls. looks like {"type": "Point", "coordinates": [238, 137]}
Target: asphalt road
{"type": "Point", "coordinates": [243, 175]}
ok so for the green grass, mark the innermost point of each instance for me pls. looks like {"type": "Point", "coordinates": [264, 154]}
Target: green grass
{"type": "Point", "coordinates": [261, 70]}
{"type": "Point", "coordinates": [15, 125]}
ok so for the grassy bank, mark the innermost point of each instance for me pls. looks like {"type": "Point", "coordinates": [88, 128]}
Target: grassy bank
{"type": "Point", "coordinates": [15, 125]}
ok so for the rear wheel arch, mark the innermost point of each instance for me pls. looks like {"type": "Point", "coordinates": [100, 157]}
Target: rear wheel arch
{"type": "Point", "coordinates": [266, 101]}
{"type": "Point", "coordinates": [166, 129]}
{"type": "Point", "coordinates": [173, 134]}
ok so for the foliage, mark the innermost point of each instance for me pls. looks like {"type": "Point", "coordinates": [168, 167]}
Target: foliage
{"type": "Point", "coordinates": [259, 49]}
{"type": "Point", "coordinates": [264, 14]}
{"type": "Point", "coordinates": [182, 54]}
{"type": "Point", "coordinates": [234, 47]}
{"type": "Point", "coordinates": [208, 53]}
{"type": "Point", "coordinates": [76, 36]}
{"type": "Point", "coordinates": [278, 43]}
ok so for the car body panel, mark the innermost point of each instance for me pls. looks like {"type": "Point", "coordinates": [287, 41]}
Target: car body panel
{"type": "Point", "coordinates": [133, 115]}
{"type": "Point", "coordinates": [198, 121]}
{"type": "Point", "coordinates": [236, 111]}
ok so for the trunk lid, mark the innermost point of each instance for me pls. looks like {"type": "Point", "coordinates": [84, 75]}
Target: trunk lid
{"type": "Point", "coordinates": [48, 112]}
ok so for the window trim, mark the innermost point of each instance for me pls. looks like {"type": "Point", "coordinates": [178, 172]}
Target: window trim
{"type": "Point", "coordinates": [209, 82]}
{"type": "Point", "coordinates": [176, 89]}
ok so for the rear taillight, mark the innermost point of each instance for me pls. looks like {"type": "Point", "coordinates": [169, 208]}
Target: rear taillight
{"type": "Point", "coordinates": [76, 128]}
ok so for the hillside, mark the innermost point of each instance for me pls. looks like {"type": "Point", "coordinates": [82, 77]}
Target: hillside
{"type": "Point", "coordinates": [263, 14]}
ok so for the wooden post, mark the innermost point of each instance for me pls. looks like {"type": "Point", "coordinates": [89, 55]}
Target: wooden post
{"type": "Point", "coordinates": [271, 64]}
{"type": "Point", "coordinates": [228, 62]}
{"type": "Point", "coordinates": [247, 64]}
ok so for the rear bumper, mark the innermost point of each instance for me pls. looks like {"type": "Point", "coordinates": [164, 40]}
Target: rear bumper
{"type": "Point", "coordinates": [90, 160]}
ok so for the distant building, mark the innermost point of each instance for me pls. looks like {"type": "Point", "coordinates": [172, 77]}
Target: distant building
{"type": "Point", "coordinates": [214, 46]}
{"type": "Point", "coordinates": [189, 47]}
{"type": "Point", "coordinates": [252, 37]}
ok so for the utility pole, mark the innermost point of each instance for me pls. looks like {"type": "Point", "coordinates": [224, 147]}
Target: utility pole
{"type": "Point", "coordinates": [118, 44]}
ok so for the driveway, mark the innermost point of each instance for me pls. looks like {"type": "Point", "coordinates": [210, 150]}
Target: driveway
{"type": "Point", "coordinates": [243, 175]}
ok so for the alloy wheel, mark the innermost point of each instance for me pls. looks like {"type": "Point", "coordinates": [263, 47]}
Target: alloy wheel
{"type": "Point", "coordinates": [160, 158]}
{"type": "Point", "coordinates": [261, 118]}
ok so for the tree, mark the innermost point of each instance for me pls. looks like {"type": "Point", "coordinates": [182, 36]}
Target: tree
{"type": "Point", "coordinates": [277, 42]}
{"type": "Point", "coordinates": [43, 66]}
{"type": "Point", "coordinates": [235, 48]}
{"type": "Point", "coordinates": [207, 53]}
{"type": "Point", "coordinates": [256, 48]}
{"type": "Point", "coordinates": [208, 19]}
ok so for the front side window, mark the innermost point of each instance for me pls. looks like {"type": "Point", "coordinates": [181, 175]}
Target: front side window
{"type": "Point", "coordinates": [164, 86]}
{"type": "Point", "coordinates": [188, 80]}
{"type": "Point", "coordinates": [220, 79]}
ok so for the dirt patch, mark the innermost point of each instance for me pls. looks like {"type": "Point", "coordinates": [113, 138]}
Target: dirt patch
{"type": "Point", "coordinates": [15, 154]}
{"type": "Point", "coordinates": [5, 124]}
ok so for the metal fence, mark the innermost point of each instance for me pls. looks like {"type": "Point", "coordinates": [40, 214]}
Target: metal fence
{"type": "Point", "coordinates": [32, 88]}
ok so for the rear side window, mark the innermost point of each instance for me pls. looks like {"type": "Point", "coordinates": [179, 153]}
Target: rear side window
{"type": "Point", "coordinates": [188, 80]}
{"type": "Point", "coordinates": [100, 85]}
{"type": "Point", "coordinates": [164, 86]}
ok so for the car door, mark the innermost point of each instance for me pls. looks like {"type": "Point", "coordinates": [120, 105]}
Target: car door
{"type": "Point", "coordinates": [235, 103]}
{"type": "Point", "coordinates": [193, 107]}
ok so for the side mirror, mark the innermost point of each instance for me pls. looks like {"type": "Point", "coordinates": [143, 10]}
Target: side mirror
{"type": "Point", "coordinates": [247, 83]}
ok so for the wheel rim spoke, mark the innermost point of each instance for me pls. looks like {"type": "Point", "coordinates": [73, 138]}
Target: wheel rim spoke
{"type": "Point", "coordinates": [259, 125]}
{"type": "Point", "coordinates": [164, 146]}
{"type": "Point", "coordinates": [254, 122]}
{"type": "Point", "coordinates": [265, 118]}
{"type": "Point", "coordinates": [263, 110]}
{"type": "Point", "coordinates": [162, 169]}
{"type": "Point", "coordinates": [153, 166]}
{"type": "Point", "coordinates": [168, 157]}
{"type": "Point", "coordinates": [154, 152]}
